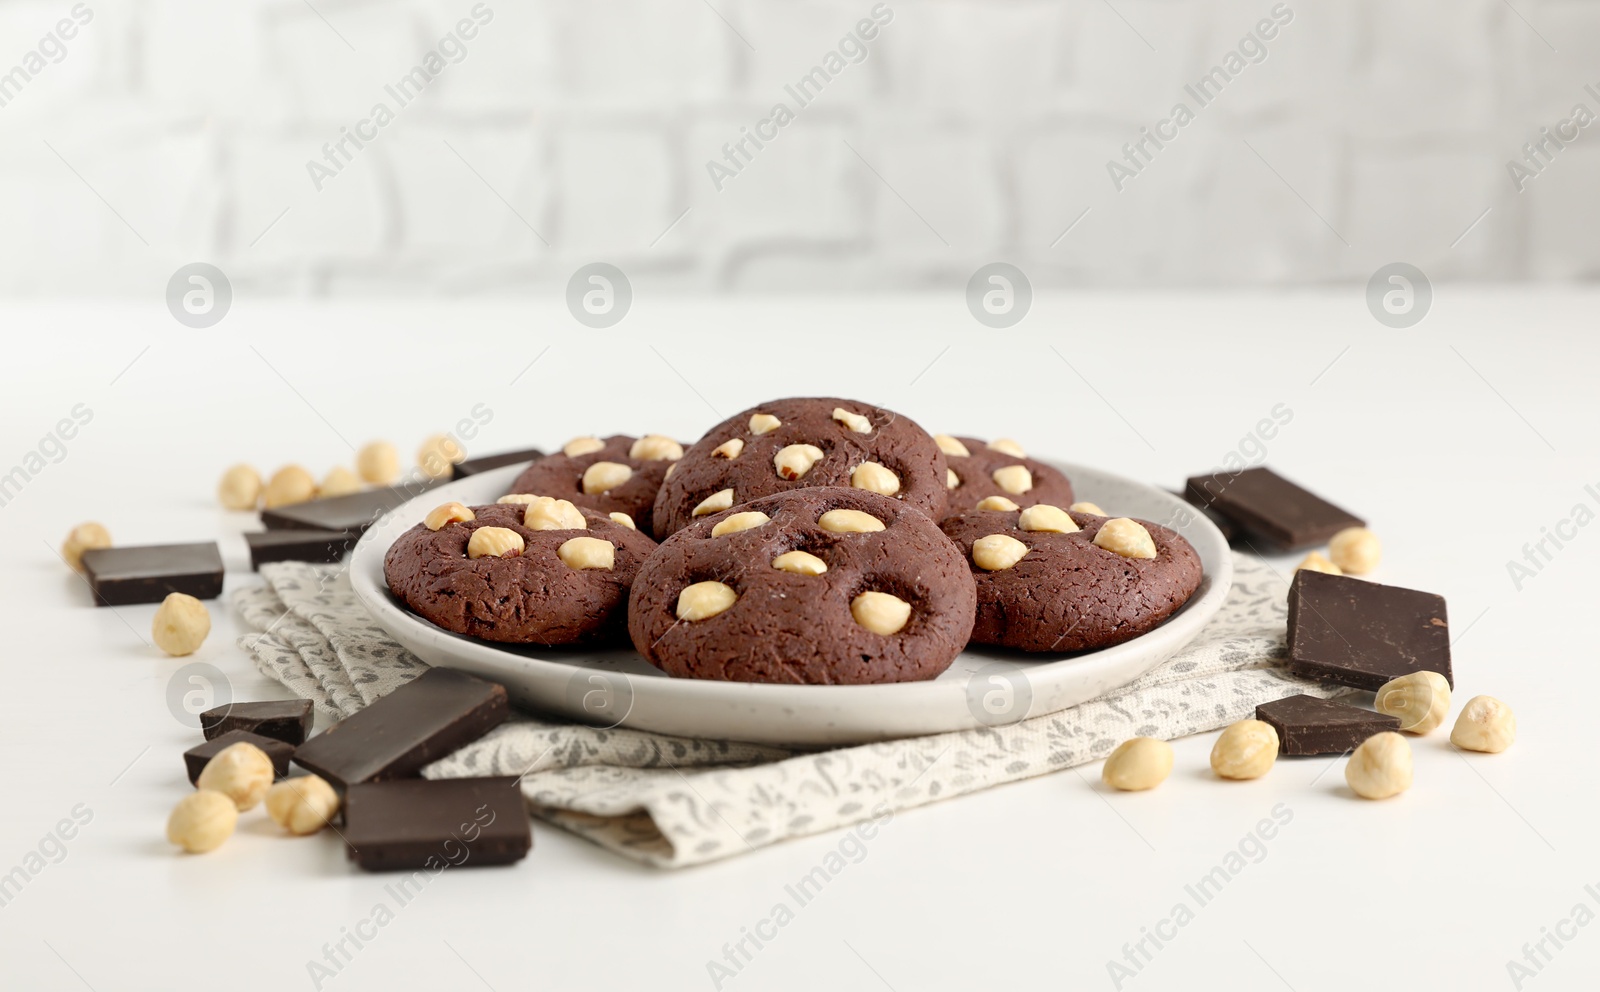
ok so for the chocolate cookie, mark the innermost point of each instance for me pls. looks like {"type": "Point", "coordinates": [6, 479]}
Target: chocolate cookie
{"type": "Point", "coordinates": [801, 443]}
{"type": "Point", "coordinates": [830, 585]}
{"type": "Point", "coordinates": [1051, 580]}
{"type": "Point", "coordinates": [998, 468]}
{"type": "Point", "coordinates": [567, 583]}
{"type": "Point", "coordinates": [618, 475]}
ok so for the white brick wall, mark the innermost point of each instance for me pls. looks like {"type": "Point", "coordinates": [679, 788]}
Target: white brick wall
{"type": "Point", "coordinates": [591, 121]}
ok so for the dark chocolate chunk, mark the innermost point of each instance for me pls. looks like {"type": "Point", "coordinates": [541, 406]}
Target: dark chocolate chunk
{"type": "Point", "coordinates": [1229, 531]}
{"type": "Point", "coordinates": [421, 721]}
{"type": "Point", "coordinates": [1270, 508]}
{"type": "Point", "coordinates": [286, 720]}
{"type": "Point", "coordinates": [1360, 633]}
{"type": "Point", "coordinates": [1308, 725]}
{"type": "Point", "coordinates": [432, 824]}
{"type": "Point", "coordinates": [320, 546]}
{"type": "Point", "coordinates": [147, 573]}
{"type": "Point", "coordinates": [472, 466]}
{"type": "Point", "coordinates": [279, 751]}
{"type": "Point", "coordinates": [353, 513]}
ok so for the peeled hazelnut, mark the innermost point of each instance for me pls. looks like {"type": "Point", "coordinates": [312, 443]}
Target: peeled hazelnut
{"type": "Point", "coordinates": [447, 513]}
{"type": "Point", "coordinates": [1314, 562]}
{"type": "Point", "coordinates": [202, 821]}
{"type": "Point", "coordinates": [1007, 446]}
{"type": "Point", "coordinates": [240, 488]}
{"type": "Point", "coordinates": [437, 454]}
{"type": "Point", "coordinates": [1485, 724]}
{"type": "Point", "coordinates": [951, 479]}
{"type": "Point", "coordinates": [378, 463]}
{"type": "Point", "coordinates": [997, 552]}
{"type": "Point", "coordinates": [951, 446]}
{"type": "Point", "coordinates": [548, 513]}
{"type": "Point", "coordinates": [704, 600]}
{"type": "Point", "coordinates": [795, 460]}
{"type": "Point", "coordinates": [180, 625]}
{"type": "Point", "coordinates": [1138, 764]}
{"type": "Point", "coordinates": [241, 771]}
{"type": "Point", "coordinates": [715, 503]}
{"type": "Point", "coordinates": [736, 522]}
{"type": "Point", "coordinates": [1125, 537]}
{"type": "Point", "coordinates": [602, 477]}
{"type": "Point", "coordinates": [761, 423]}
{"type": "Point", "coordinates": [623, 519]}
{"type": "Point", "coordinates": [655, 448]}
{"type": "Point", "coordinates": [849, 522]}
{"type": "Point", "coordinates": [880, 612]}
{"type": "Point", "coordinates": [1014, 479]}
{"type": "Point", "coordinates": [1420, 701]}
{"type": "Point", "coordinates": [1044, 517]}
{"type": "Point", "coordinates": [1245, 750]}
{"type": "Point", "coordinates": [1356, 550]}
{"type": "Point", "coordinates": [998, 504]}
{"type": "Point", "coordinates": [495, 542]}
{"type": "Point", "coordinates": [523, 498]}
{"type": "Point", "coordinates": [1087, 508]}
{"type": "Point", "coordinates": [1380, 767]}
{"type": "Point", "coordinates": [289, 485]}
{"type": "Point", "coordinates": [588, 552]}
{"type": "Point", "coordinates": [339, 481]}
{"type": "Point", "coordinates": [800, 563]}
{"type": "Point", "coordinates": [582, 446]}
{"type": "Point", "coordinates": [302, 805]}
{"type": "Point", "coordinates": [855, 421]}
{"type": "Point", "coordinates": [728, 449]}
{"type": "Point", "coordinates": [874, 478]}
{"type": "Point", "coordinates": [84, 537]}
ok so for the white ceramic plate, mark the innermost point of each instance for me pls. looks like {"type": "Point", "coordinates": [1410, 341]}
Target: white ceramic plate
{"type": "Point", "coordinates": [985, 686]}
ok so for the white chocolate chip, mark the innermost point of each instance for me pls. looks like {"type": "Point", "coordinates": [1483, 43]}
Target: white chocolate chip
{"type": "Point", "coordinates": [728, 449]}
{"type": "Point", "coordinates": [800, 563]}
{"type": "Point", "coordinates": [180, 625]}
{"type": "Point", "coordinates": [289, 485]}
{"type": "Point", "coordinates": [1125, 537]}
{"type": "Point", "coordinates": [1380, 767]}
{"type": "Point", "coordinates": [582, 446]}
{"type": "Point", "coordinates": [997, 552]}
{"type": "Point", "coordinates": [715, 503]}
{"type": "Point", "coordinates": [704, 600]}
{"type": "Point", "coordinates": [1138, 764]}
{"type": "Point", "coordinates": [588, 552]}
{"type": "Point", "coordinates": [378, 463]}
{"type": "Point", "coordinates": [880, 612]}
{"type": "Point", "coordinates": [240, 488]}
{"type": "Point", "coordinates": [84, 537]}
{"type": "Point", "coordinates": [1485, 724]}
{"type": "Point", "coordinates": [523, 498]}
{"type": "Point", "coordinates": [849, 522]}
{"type": "Point", "coordinates": [734, 523]}
{"type": "Point", "coordinates": [302, 805]}
{"type": "Point", "coordinates": [795, 460]}
{"type": "Point", "coordinates": [1356, 550]}
{"type": "Point", "coordinates": [995, 503]}
{"type": "Point", "coordinates": [655, 448]}
{"type": "Point", "coordinates": [1005, 445]}
{"type": "Point", "coordinates": [761, 423]}
{"type": "Point", "coordinates": [1014, 479]}
{"type": "Point", "coordinates": [951, 446]}
{"type": "Point", "coordinates": [1420, 701]}
{"type": "Point", "coordinates": [548, 513]}
{"type": "Point", "coordinates": [951, 479]}
{"type": "Point", "coordinates": [1044, 517]}
{"type": "Point", "coordinates": [495, 542]}
{"type": "Point", "coordinates": [438, 453]}
{"type": "Point", "coordinates": [1245, 750]}
{"type": "Point", "coordinates": [1315, 562]}
{"type": "Point", "coordinates": [623, 519]}
{"type": "Point", "coordinates": [1093, 508]}
{"type": "Point", "coordinates": [602, 477]}
{"type": "Point", "coordinates": [874, 478]}
{"type": "Point", "coordinates": [854, 421]}
{"type": "Point", "coordinates": [202, 821]}
{"type": "Point", "coordinates": [339, 481]}
{"type": "Point", "coordinates": [447, 513]}
{"type": "Point", "coordinates": [241, 771]}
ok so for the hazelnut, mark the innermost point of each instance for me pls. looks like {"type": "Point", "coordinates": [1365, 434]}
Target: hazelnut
{"type": "Point", "coordinates": [1246, 749]}
{"type": "Point", "coordinates": [202, 821]}
{"type": "Point", "coordinates": [241, 771]}
{"type": "Point", "coordinates": [1420, 701]}
{"type": "Point", "coordinates": [602, 477]}
{"type": "Point", "coordinates": [548, 513]}
{"type": "Point", "coordinates": [849, 522]}
{"type": "Point", "coordinates": [289, 485]}
{"type": "Point", "coordinates": [704, 600]}
{"type": "Point", "coordinates": [1315, 562]}
{"type": "Point", "coordinates": [880, 612]}
{"type": "Point", "coordinates": [240, 488]}
{"type": "Point", "coordinates": [951, 446]}
{"type": "Point", "coordinates": [1125, 537]}
{"type": "Point", "coordinates": [655, 448]}
{"type": "Point", "coordinates": [447, 513]}
{"type": "Point", "coordinates": [670, 469]}
{"type": "Point", "coordinates": [582, 446]}
{"type": "Point", "coordinates": [519, 498]}
{"type": "Point", "coordinates": [874, 478]}
{"type": "Point", "coordinates": [1007, 446]}
{"type": "Point", "coordinates": [854, 421]}
{"type": "Point", "coordinates": [84, 537]}
{"type": "Point", "coordinates": [339, 481]}
{"type": "Point", "coordinates": [495, 542]}
{"type": "Point", "coordinates": [800, 563]}
{"type": "Point", "coordinates": [623, 519]}
{"type": "Point", "coordinates": [761, 423]}
{"type": "Point", "coordinates": [951, 479]}
{"type": "Point", "coordinates": [728, 449]}
{"type": "Point", "coordinates": [302, 805]}
{"type": "Point", "coordinates": [795, 460]}
{"type": "Point", "coordinates": [997, 552]}
{"type": "Point", "coordinates": [1014, 479]}
{"type": "Point", "coordinates": [588, 552]}
{"type": "Point", "coordinates": [180, 625]}
{"type": "Point", "coordinates": [1380, 767]}
{"type": "Point", "coordinates": [998, 504]}
{"type": "Point", "coordinates": [1138, 764]}
{"type": "Point", "coordinates": [1356, 550]}
{"type": "Point", "coordinates": [437, 454]}
{"type": "Point", "coordinates": [736, 522]}
{"type": "Point", "coordinates": [715, 503]}
{"type": "Point", "coordinates": [1044, 517]}
{"type": "Point", "coordinates": [1093, 508]}
{"type": "Point", "coordinates": [1485, 724]}
{"type": "Point", "coordinates": [378, 463]}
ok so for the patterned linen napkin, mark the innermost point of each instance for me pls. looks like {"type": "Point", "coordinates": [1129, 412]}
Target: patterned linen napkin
{"type": "Point", "coordinates": [674, 801]}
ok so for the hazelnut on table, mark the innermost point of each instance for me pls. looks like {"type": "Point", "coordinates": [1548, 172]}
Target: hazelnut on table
{"type": "Point", "coordinates": [180, 624]}
{"type": "Point", "coordinates": [84, 537]}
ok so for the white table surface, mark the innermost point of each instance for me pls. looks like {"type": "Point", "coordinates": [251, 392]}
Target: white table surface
{"type": "Point", "coordinates": [1460, 439]}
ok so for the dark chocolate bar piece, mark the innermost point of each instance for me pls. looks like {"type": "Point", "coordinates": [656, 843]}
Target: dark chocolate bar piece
{"type": "Point", "coordinates": [319, 546]}
{"type": "Point", "coordinates": [1229, 531]}
{"type": "Point", "coordinates": [434, 824]}
{"type": "Point", "coordinates": [147, 573]}
{"type": "Point", "coordinates": [472, 466]}
{"type": "Point", "coordinates": [1270, 508]}
{"type": "Point", "coordinates": [1360, 633]}
{"type": "Point", "coordinates": [421, 721]}
{"type": "Point", "coordinates": [353, 513]}
{"type": "Point", "coordinates": [279, 751]}
{"type": "Point", "coordinates": [1308, 725]}
{"type": "Point", "coordinates": [287, 720]}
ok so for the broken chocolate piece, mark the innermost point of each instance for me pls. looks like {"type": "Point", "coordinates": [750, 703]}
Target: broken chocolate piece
{"type": "Point", "coordinates": [280, 752]}
{"type": "Point", "coordinates": [287, 720]}
{"type": "Point", "coordinates": [421, 721]}
{"type": "Point", "coordinates": [1363, 634]}
{"type": "Point", "coordinates": [353, 513]}
{"type": "Point", "coordinates": [433, 824]}
{"type": "Point", "coordinates": [473, 466]}
{"type": "Point", "coordinates": [317, 546]}
{"type": "Point", "coordinates": [147, 573]}
{"type": "Point", "coordinates": [1308, 725]}
{"type": "Point", "coordinates": [1270, 508]}
{"type": "Point", "coordinates": [1230, 532]}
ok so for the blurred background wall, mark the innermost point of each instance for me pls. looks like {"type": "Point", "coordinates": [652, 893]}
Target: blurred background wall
{"type": "Point", "coordinates": [152, 133]}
